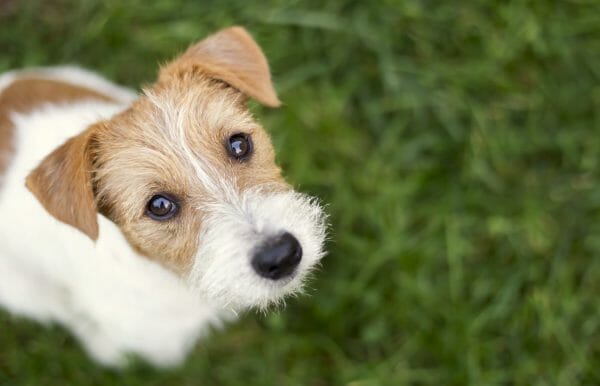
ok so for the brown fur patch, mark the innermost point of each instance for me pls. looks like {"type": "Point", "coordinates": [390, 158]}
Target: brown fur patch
{"type": "Point", "coordinates": [143, 152]}
{"type": "Point", "coordinates": [26, 93]}
{"type": "Point", "coordinates": [62, 183]}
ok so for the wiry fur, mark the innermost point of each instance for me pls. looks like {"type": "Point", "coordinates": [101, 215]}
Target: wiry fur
{"type": "Point", "coordinates": [235, 227]}
{"type": "Point", "coordinates": [122, 282]}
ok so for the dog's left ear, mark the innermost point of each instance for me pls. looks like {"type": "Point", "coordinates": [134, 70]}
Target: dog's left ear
{"type": "Point", "coordinates": [231, 56]}
{"type": "Point", "coordinates": [62, 183]}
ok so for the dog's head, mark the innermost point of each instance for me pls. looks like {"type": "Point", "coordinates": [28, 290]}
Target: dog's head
{"type": "Point", "coordinates": [190, 179]}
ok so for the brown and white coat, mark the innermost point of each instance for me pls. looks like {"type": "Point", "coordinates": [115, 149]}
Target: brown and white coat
{"type": "Point", "coordinates": [79, 159]}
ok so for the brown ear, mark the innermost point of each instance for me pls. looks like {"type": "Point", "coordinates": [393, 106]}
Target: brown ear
{"type": "Point", "coordinates": [232, 56]}
{"type": "Point", "coordinates": [63, 185]}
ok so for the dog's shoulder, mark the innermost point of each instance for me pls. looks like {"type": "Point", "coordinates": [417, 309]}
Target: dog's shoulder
{"type": "Point", "coordinates": [26, 90]}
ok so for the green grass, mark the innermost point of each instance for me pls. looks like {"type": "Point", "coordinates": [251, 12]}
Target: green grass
{"type": "Point", "coordinates": [457, 145]}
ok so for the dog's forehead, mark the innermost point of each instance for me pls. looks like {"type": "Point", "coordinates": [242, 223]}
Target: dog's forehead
{"type": "Point", "coordinates": [175, 136]}
{"type": "Point", "coordinates": [196, 110]}
{"type": "Point", "coordinates": [195, 115]}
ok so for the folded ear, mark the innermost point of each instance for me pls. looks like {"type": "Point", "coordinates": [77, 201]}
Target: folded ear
{"type": "Point", "coordinates": [62, 183]}
{"type": "Point", "coordinates": [232, 56]}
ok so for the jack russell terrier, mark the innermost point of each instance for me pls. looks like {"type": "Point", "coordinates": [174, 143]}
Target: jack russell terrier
{"type": "Point", "coordinates": [138, 221]}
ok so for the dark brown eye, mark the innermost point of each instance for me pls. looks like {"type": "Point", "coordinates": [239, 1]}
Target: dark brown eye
{"type": "Point", "coordinates": [239, 146]}
{"type": "Point", "coordinates": [161, 207]}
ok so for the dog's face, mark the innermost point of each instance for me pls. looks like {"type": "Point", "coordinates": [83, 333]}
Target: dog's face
{"type": "Point", "coordinates": [190, 178]}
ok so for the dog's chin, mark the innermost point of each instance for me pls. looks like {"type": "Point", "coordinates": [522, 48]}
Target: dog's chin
{"type": "Point", "coordinates": [257, 293]}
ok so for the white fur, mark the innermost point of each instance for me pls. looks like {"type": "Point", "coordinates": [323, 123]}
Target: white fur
{"type": "Point", "coordinates": [115, 301]}
{"type": "Point", "coordinates": [235, 227]}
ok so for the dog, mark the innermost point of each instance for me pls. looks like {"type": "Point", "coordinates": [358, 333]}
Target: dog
{"type": "Point", "coordinates": [140, 221]}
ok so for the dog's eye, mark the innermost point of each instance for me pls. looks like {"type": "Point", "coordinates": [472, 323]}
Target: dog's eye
{"type": "Point", "coordinates": [161, 207]}
{"type": "Point", "coordinates": [239, 146]}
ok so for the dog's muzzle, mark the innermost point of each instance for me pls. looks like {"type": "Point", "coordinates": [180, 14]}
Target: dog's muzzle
{"type": "Point", "coordinates": [278, 257]}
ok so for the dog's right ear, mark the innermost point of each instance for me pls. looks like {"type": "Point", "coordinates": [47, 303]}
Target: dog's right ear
{"type": "Point", "coordinates": [231, 56]}
{"type": "Point", "coordinates": [62, 183]}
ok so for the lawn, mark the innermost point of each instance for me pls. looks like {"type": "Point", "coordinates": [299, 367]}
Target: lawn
{"type": "Point", "coordinates": [457, 146]}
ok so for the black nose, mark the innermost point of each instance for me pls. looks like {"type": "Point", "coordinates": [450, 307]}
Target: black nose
{"type": "Point", "coordinates": [278, 257]}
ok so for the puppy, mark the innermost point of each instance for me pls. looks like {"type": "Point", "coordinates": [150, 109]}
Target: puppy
{"type": "Point", "coordinates": [139, 221]}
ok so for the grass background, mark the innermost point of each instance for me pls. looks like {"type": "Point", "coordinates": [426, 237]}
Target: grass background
{"type": "Point", "coordinates": [458, 147]}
